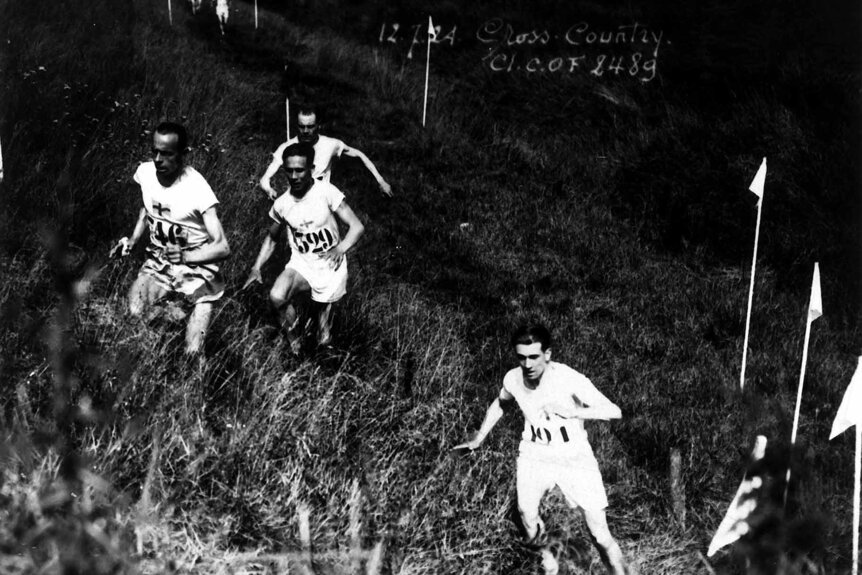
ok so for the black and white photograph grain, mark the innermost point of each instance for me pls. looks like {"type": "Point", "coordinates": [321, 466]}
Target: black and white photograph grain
{"type": "Point", "coordinates": [430, 287]}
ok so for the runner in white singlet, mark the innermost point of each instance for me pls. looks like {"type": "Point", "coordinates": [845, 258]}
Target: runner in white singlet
{"type": "Point", "coordinates": [554, 450]}
{"type": "Point", "coordinates": [326, 152]}
{"type": "Point", "coordinates": [186, 237]}
{"type": "Point", "coordinates": [311, 212]}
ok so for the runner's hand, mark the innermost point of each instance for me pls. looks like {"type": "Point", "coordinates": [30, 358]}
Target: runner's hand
{"type": "Point", "coordinates": [472, 445]}
{"type": "Point", "coordinates": [253, 276]}
{"type": "Point", "coordinates": [122, 249]}
{"type": "Point", "coordinates": [334, 256]}
{"type": "Point", "coordinates": [385, 188]}
{"type": "Point", "coordinates": [558, 409]}
{"type": "Point", "coordinates": [174, 254]}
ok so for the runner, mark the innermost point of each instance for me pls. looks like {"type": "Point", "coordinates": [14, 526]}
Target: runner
{"type": "Point", "coordinates": [326, 151]}
{"type": "Point", "coordinates": [186, 237]}
{"type": "Point", "coordinates": [555, 400]}
{"type": "Point", "coordinates": [317, 262]}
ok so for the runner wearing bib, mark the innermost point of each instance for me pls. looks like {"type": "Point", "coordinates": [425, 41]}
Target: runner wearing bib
{"type": "Point", "coordinates": [186, 237]}
{"type": "Point", "coordinates": [311, 212]}
{"type": "Point", "coordinates": [554, 450]}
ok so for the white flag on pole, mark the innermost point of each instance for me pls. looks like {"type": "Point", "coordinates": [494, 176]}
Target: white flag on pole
{"type": "Point", "coordinates": [850, 410]}
{"type": "Point", "coordinates": [815, 304]}
{"type": "Point", "coordinates": [757, 187]}
{"type": "Point", "coordinates": [735, 523]}
{"type": "Point", "coordinates": [759, 180]}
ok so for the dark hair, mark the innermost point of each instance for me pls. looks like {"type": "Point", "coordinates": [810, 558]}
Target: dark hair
{"type": "Point", "coordinates": [530, 334]}
{"type": "Point", "coordinates": [299, 149]}
{"type": "Point", "coordinates": [178, 129]}
{"type": "Point", "coordinates": [308, 111]}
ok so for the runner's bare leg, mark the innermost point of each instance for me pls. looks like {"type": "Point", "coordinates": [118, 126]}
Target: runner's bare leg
{"type": "Point", "coordinates": [287, 286]}
{"type": "Point", "coordinates": [196, 331]}
{"type": "Point", "coordinates": [609, 549]}
{"type": "Point", "coordinates": [145, 292]}
{"type": "Point", "coordinates": [324, 324]}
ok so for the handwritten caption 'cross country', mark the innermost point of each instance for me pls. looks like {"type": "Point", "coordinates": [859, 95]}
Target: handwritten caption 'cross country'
{"type": "Point", "coordinates": [625, 50]}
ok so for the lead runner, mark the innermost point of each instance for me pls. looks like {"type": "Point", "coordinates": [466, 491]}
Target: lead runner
{"type": "Point", "coordinates": [186, 237]}
{"type": "Point", "coordinates": [554, 450]}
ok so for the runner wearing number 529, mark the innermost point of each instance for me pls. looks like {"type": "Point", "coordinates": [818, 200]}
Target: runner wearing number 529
{"type": "Point", "coordinates": [554, 451]}
{"type": "Point", "coordinates": [186, 237]}
{"type": "Point", "coordinates": [311, 212]}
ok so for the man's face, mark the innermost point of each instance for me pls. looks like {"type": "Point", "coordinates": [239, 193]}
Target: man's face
{"type": "Point", "coordinates": [167, 156]}
{"type": "Point", "coordinates": [298, 174]}
{"type": "Point", "coordinates": [532, 360]}
{"type": "Point", "coordinates": [307, 126]}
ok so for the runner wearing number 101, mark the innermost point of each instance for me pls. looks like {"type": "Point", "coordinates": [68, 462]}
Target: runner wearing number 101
{"type": "Point", "coordinates": [186, 237]}
{"type": "Point", "coordinates": [554, 451]}
{"type": "Point", "coordinates": [311, 212]}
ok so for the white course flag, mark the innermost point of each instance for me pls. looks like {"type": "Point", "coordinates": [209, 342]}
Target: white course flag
{"type": "Point", "coordinates": [759, 180]}
{"type": "Point", "coordinates": [850, 411]}
{"type": "Point", "coordinates": [432, 35]}
{"type": "Point", "coordinates": [815, 310]}
{"type": "Point", "coordinates": [735, 523]}
{"type": "Point", "coordinates": [757, 187]}
{"type": "Point", "coordinates": [850, 414]}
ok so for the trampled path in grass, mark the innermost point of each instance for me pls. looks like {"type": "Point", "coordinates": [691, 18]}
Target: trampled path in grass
{"type": "Point", "coordinates": [600, 208]}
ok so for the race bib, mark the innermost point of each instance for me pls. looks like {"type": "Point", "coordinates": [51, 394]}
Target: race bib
{"type": "Point", "coordinates": [546, 436]}
{"type": "Point", "coordinates": [314, 242]}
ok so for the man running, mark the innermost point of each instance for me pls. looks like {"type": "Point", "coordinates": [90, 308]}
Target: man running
{"type": "Point", "coordinates": [311, 210]}
{"type": "Point", "coordinates": [555, 400]}
{"type": "Point", "coordinates": [326, 151]}
{"type": "Point", "coordinates": [186, 237]}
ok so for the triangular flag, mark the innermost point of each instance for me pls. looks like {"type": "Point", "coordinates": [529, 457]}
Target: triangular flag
{"type": "Point", "coordinates": [735, 522]}
{"type": "Point", "coordinates": [431, 31]}
{"type": "Point", "coordinates": [850, 411]}
{"type": "Point", "coordinates": [759, 180]}
{"type": "Point", "coordinates": [815, 305]}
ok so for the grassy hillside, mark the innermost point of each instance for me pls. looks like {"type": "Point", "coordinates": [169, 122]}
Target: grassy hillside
{"type": "Point", "coordinates": [613, 209]}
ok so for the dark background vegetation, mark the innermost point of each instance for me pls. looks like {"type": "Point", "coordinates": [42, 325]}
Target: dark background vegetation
{"type": "Point", "coordinates": [616, 211]}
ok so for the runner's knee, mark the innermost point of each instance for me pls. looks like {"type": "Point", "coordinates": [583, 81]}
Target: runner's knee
{"type": "Point", "coordinates": [599, 530]}
{"type": "Point", "coordinates": [530, 520]}
{"type": "Point", "coordinates": [277, 298]}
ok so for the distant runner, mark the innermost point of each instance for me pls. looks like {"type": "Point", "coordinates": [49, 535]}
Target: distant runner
{"type": "Point", "coordinates": [311, 211]}
{"type": "Point", "coordinates": [222, 13]}
{"type": "Point", "coordinates": [326, 151]}
{"type": "Point", "coordinates": [555, 400]}
{"type": "Point", "coordinates": [186, 237]}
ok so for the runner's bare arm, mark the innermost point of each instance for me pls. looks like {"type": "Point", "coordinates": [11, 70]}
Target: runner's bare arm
{"type": "Point", "coordinates": [124, 245]}
{"type": "Point", "coordinates": [266, 179]}
{"type": "Point", "coordinates": [264, 254]}
{"type": "Point", "coordinates": [369, 165]}
{"type": "Point", "coordinates": [355, 229]}
{"type": "Point", "coordinates": [214, 250]}
{"type": "Point", "coordinates": [492, 416]}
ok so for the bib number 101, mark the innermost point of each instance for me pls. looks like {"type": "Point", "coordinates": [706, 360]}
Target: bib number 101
{"type": "Point", "coordinates": [543, 435]}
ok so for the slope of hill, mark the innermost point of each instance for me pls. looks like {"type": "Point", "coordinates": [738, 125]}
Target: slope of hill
{"type": "Point", "coordinates": [611, 208]}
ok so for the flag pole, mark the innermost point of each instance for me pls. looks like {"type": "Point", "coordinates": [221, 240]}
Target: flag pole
{"type": "Point", "coordinates": [856, 497]}
{"type": "Point", "coordinates": [756, 187]}
{"type": "Point", "coordinates": [287, 116]}
{"type": "Point", "coordinates": [814, 311]}
{"type": "Point", "coordinates": [427, 69]}
{"type": "Point", "coordinates": [850, 414]}
{"type": "Point", "coordinates": [170, 13]}
{"type": "Point", "coordinates": [255, 14]}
